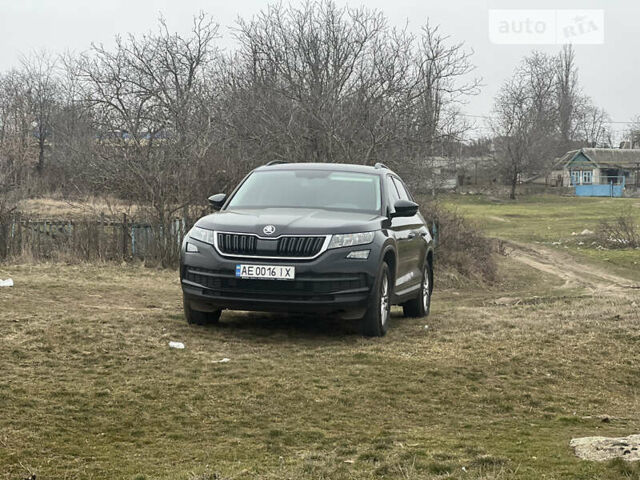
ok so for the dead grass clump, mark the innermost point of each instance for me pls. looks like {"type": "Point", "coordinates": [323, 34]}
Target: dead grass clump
{"type": "Point", "coordinates": [621, 232]}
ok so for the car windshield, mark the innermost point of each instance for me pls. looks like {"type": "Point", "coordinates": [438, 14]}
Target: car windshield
{"type": "Point", "coordinates": [358, 192]}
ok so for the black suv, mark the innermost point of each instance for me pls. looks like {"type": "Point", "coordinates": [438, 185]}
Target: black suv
{"type": "Point", "coordinates": [311, 237]}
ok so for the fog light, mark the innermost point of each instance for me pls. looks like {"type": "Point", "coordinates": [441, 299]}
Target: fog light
{"type": "Point", "coordinates": [191, 248]}
{"type": "Point", "coordinates": [359, 254]}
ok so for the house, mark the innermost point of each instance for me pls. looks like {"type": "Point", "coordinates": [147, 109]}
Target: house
{"type": "Point", "coordinates": [449, 173]}
{"type": "Point", "coordinates": [443, 173]}
{"type": "Point", "coordinates": [598, 172]}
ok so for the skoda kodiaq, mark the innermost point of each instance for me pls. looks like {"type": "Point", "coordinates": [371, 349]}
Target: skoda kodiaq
{"type": "Point", "coordinates": [329, 239]}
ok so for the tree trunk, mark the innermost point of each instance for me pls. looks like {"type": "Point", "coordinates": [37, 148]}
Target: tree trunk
{"type": "Point", "coordinates": [514, 182]}
{"type": "Point", "coordinates": [40, 165]}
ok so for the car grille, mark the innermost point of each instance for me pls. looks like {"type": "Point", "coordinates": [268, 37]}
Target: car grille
{"type": "Point", "coordinates": [310, 287]}
{"type": "Point", "coordinates": [236, 243]}
{"type": "Point", "coordinates": [252, 245]}
{"type": "Point", "coordinates": [299, 246]}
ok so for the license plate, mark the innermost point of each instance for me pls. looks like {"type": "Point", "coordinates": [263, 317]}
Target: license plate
{"type": "Point", "coordinates": [266, 272]}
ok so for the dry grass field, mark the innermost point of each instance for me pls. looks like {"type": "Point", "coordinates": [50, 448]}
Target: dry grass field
{"type": "Point", "coordinates": [493, 385]}
{"type": "Point", "coordinates": [76, 209]}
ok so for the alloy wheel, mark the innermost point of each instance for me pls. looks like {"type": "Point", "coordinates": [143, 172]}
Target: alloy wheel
{"type": "Point", "coordinates": [384, 300]}
{"type": "Point", "coordinates": [426, 292]}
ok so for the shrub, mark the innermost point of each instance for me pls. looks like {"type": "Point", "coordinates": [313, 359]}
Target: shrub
{"type": "Point", "coordinates": [461, 248]}
{"type": "Point", "coordinates": [622, 232]}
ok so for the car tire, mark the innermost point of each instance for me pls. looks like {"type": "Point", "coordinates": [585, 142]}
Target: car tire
{"type": "Point", "coordinates": [376, 320]}
{"type": "Point", "coordinates": [420, 306]}
{"type": "Point", "coordinates": [196, 317]}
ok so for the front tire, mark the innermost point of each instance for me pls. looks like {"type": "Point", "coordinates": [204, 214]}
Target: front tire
{"type": "Point", "coordinates": [376, 321]}
{"type": "Point", "coordinates": [420, 306]}
{"type": "Point", "coordinates": [197, 317]}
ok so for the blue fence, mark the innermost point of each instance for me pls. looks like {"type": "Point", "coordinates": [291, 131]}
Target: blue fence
{"type": "Point", "coordinates": [608, 187]}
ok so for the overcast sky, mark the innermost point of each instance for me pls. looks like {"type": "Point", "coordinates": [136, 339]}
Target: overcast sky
{"type": "Point", "coordinates": [609, 72]}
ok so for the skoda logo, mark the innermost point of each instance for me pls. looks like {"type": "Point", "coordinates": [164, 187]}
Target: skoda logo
{"type": "Point", "coordinates": [269, 230]}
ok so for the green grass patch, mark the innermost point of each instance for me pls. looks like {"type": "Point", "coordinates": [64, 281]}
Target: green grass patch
{"type": "Point", "coordinates": [555, 221]}
{"type": "Point", "coordinates": [543, 218]}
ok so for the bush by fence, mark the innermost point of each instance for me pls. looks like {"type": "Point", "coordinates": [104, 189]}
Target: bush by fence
{"type": "Point", "coordinates": [461, 249]}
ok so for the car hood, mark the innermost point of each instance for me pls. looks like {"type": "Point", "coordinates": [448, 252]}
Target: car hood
{"type": "Point", "coordinates": [290, 221]}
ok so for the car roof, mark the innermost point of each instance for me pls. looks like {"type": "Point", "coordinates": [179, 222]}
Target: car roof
{"type": "Point", "coordinates": [379, 169]}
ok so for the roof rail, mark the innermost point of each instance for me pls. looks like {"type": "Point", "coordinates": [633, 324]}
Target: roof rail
{"type": "Point", "coordinates": [275, 162]}
{"type": "Point", "coordinates": [381, 165]}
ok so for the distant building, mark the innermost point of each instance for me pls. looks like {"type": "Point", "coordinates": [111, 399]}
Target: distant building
{"type": "Point", "coordinates": [448, 174]}
{"type": "Point", "coordinates": [443, 173]}
{"type": "Point", "coordinates": [596, 172]}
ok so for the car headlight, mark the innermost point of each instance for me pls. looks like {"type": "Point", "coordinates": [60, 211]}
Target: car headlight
{"type": "Point", "coordinates": [202, 234]}
{"type": "Point", "coordinates": [350, 239]}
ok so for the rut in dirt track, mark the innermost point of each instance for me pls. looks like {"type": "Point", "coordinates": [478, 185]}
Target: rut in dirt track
{"type": "Point", "coordinates": [567, 268]}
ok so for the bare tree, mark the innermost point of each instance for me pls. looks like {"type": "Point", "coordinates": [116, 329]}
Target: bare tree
{"type": "Point", "coordinates": [17, 145]}
{"type": "Point", "coordinates": [541, 113]}
{"type": "Point", "coordinates": [323, 83]}
{"type": "Point", "coordinates": [524, 119]}
{"type": "Point", "coordinates": [74, 136]}
{"type": "Point", "coordinates": [580, 122]}
{"type": "Point", "coordinates": [541, 86]}
{"type": "Point", "coordinates": [568, 93]}
{"type": "Point", "coordinates": [592, 125]}
{"type": "Point", "coordinates": [39, 71]}
{"type": "Point", "coordinates": [149, 104]}
{"type": "Point", "coordinates": [161, 118]}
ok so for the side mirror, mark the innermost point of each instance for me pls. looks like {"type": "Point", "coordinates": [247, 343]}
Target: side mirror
{"type": "Point", "coordinates": [216, 201]}
{"type": "Point", "coordinates": [405, 208]}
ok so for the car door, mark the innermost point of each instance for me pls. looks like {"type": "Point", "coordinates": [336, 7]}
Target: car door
{"type": "Point", "coordinates": [400, 228]}
{"type": "Point", "coordinates": [413, 232]}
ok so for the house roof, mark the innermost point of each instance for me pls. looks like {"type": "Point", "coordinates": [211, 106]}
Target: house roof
{"type": "Point", "coordinates": [606, 157]}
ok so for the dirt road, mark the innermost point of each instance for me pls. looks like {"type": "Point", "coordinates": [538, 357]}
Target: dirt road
{"type": "Point", "coordinates": [563, 265]}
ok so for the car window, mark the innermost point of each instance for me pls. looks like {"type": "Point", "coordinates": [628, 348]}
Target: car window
{"type": "Point", "coordinates": [331, 190]}
{"type": "Point", "coordinates": [402, 191]}
{"type": "Point", "coordinates": [392, 192]}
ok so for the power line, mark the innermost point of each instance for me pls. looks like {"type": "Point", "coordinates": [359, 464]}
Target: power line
{"type": "Point", "coordinates": [488, 117]}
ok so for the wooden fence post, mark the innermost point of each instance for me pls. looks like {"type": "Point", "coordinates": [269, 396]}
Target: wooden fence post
{"type": "Point", "coordinates": [27, 231]}
{"type": "Point", "coordinates": [100, 234]}
{"type": "Point", "coordinates": [18, 245]}
{"type": "Point", "coordinates": [133, 241]}
{"type": "Point", "coordinates": [125, 235]}
{"type": "Point", "coordinates": [44, 228]}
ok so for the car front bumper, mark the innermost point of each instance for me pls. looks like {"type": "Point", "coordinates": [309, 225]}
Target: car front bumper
{"type": "Point", "coordinates": [328, 284]}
